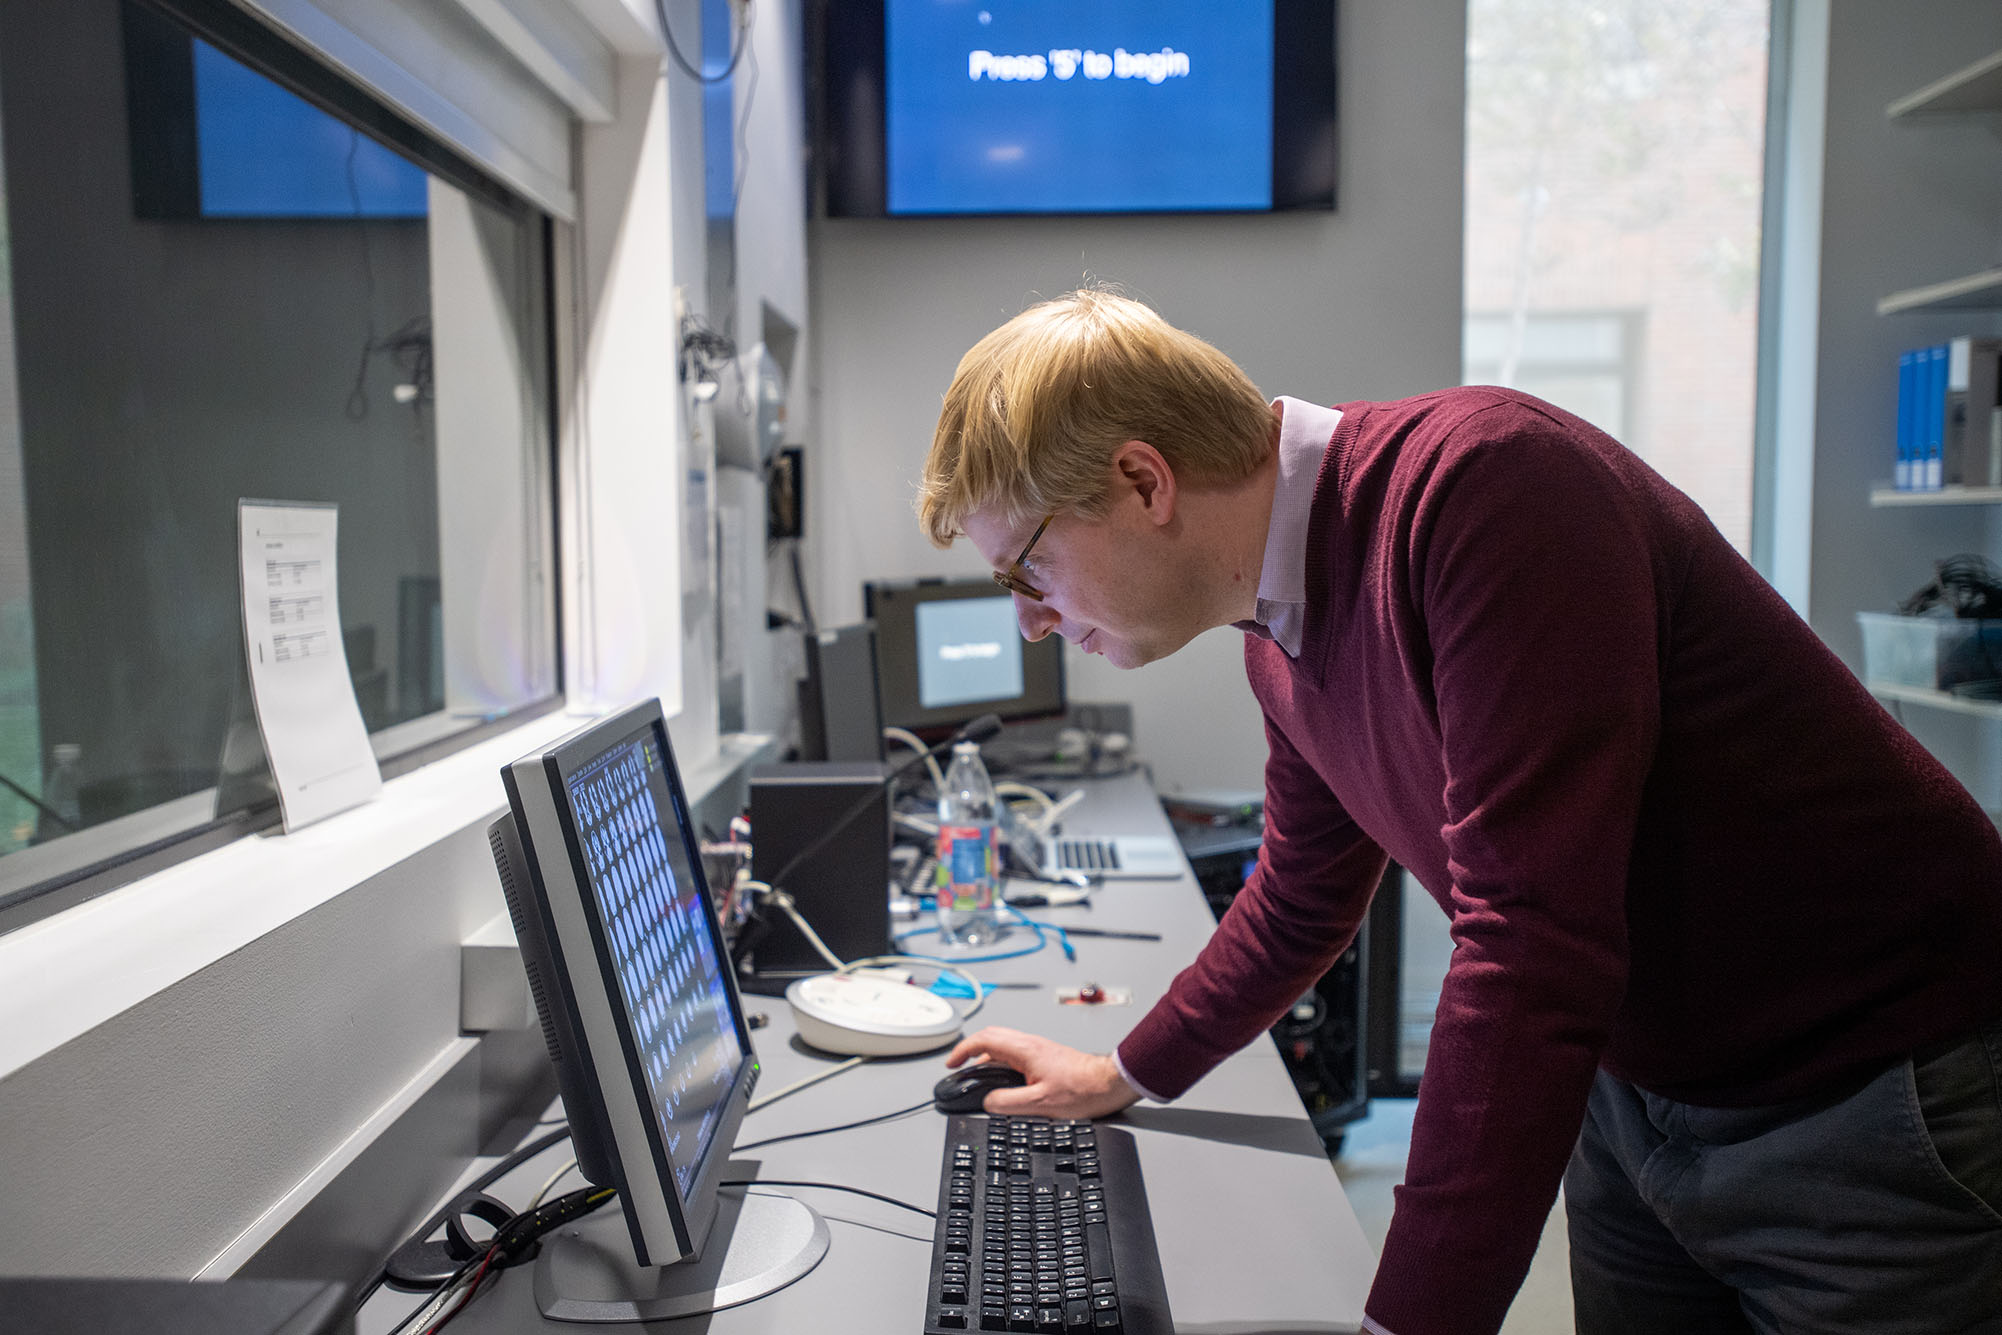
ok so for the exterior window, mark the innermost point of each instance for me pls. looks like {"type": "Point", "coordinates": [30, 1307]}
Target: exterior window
{"type": "Point", "coordinates": [214, 287]}
{"type": "Point", "coordinates": [1614, 159]}
{"type": "Point", "coordinates": [1615, 151]}
{"type": "Point", "coordinates": [1587, 362]}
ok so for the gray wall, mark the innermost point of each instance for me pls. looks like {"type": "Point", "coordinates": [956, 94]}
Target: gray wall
{"type": "Point", "coordinates": [165, 371]}
{"type": "Point", "coordinates": [1904, 205]}
{"type": "Point", "coordinates": [144, 1146]}
{"type": "Point", "coordinates": [1363, 303]}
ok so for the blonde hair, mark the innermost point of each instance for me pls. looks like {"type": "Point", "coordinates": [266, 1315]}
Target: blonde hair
{"type": "Point", "coordinates": [1037, 409]}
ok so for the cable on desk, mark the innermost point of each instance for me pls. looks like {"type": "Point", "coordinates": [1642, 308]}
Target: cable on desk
{"type": "Point", "coordinates": [830, 1130]}
{"type": "Point", "coordinates": [788, 906]}
{"type": "Point", "coordinates": [831, 1186]}
{"type": "Point", "coordinates": [916, 743]}
{"type": "Point", "coordinates": [797, 1085]}
{"type": "Point", "coordinates": [1041, 929]}
{"type": "Point", "coordinates": [554, 1178]}
{"type": "Point", "coordinates": [512, 1242]}
{"type": "Point", "coordinates": [479, 1184]}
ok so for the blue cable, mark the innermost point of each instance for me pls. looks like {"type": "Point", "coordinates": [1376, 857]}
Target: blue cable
{"type": "Point", "coordinates": [1041, 929]}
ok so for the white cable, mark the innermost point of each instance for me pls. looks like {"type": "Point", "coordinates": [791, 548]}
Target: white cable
{"type": "Point", "coordinates": [421, 1319]}
{"type": "Point", "coordinates": [1047, 821]}
{"type": "Point", "coordinates": [791, 910]}
{"type": "Point", "coordinates": [554, 1178]}
{"type": "Point", "coordinates": [798, 1085]}
{"type": "Point", "coordinates": [911, 739]}
{"type": "Point", "coordinates": [1009, 788]}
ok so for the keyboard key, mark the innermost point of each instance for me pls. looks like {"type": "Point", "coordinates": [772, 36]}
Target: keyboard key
{"type": "Point", "coordinates": [1098, 1248]}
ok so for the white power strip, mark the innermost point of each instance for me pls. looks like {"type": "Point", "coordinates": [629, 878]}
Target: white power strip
{"type": "Point", "coordinates": [862, 1014]}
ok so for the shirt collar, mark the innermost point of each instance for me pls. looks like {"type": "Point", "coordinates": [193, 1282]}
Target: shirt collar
{"type": "Point", "coordinates": [1305, 432]}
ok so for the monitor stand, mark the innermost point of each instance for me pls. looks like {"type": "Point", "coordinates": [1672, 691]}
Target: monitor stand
{"type": "Point", "coordinates": [759, 1244]}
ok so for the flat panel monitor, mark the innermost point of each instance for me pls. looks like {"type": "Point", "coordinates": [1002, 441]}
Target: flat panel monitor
{"type": "Point", "coordinates": [950, 651]}
{"type": "Point", "coordinates": [936, 107]}
{"type": "Point", "coordinates": [213, 138]}
{"type": "Point", "coordinates": [627, 963]}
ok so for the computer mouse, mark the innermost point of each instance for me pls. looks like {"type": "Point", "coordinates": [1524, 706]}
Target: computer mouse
{"type": "Point", "coordinates": [964, 1090]}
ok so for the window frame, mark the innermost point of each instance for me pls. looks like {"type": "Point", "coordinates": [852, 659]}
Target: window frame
{"type": "Point", "coordinates": [246, 39]}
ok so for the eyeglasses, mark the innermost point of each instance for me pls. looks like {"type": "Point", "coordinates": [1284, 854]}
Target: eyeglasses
{"type": "Point", "coordinates": [1011, 578]}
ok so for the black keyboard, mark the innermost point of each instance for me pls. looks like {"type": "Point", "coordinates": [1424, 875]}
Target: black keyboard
{"type": "Point", "coordinates": [1043, 1226]}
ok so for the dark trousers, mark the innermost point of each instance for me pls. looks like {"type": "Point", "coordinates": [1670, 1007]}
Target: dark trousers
{"type": "Point", "coordinates": [1877, 1213]}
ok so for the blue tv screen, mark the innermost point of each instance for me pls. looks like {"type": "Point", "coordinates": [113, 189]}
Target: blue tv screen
{"type": "Point", "coordinates": [264, 152]}
{"type": "Point", "coordinates": [938, 107]}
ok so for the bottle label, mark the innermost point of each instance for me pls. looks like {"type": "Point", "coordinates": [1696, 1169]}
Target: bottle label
{"type": "Point", "coordinates": [966, 866]}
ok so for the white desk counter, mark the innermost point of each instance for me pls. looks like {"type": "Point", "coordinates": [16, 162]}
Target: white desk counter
{"type": "Point", "coordinates": [1254, 1232]}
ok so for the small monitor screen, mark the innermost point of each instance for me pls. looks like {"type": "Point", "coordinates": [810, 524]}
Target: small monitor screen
{"type": "Point", "coordinates": [651, 908]}
{"type": "Point", "coordinates": [948, 651]}
{"type": "Point", "coordinates": [969, 652]}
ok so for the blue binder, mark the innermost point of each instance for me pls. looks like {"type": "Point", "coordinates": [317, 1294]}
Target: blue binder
{"type": "Point", "coordinates": [1908, 406]}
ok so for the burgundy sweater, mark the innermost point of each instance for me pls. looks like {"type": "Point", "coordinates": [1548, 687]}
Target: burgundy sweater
{"type": "Point", "coordinates": [1675, 836]}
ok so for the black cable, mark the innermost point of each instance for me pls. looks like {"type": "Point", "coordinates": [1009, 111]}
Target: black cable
{"type": "Point", "coordinates": [673, 49]}
{"type": "Point", "coordinates": [39, 805]}
{"type": "Point", "coordinates": [1967, 585]}
{"type": "Point", "coordinates": [832, 1186]}
{"type": "Point", "coordinates": [830, 1130]}
{"type": "Point", "coordinates": [473, 1188]}
{"type": "Point", "coordinates": [356, 407]}
{"type": "Point", "coordinates": [799, 586]}
{"type": "Point", "coordinates": [512, 1243]}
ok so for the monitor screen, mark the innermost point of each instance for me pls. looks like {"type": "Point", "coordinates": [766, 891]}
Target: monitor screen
{"type": "Point", "coordinates": [950, 651]}
{"type": "Point", "coordinates": [969, 652]}
{"type": "Point", "coordinates": [626, 960]}
{"type": "Point", "coordinates": [1045, 106]}
{"type": "Point", "coordinates": [210, 137]}
{"type": "Point", "coordinates": [652, 908]}
{"type": "Point", "coordinates": [265, 152]}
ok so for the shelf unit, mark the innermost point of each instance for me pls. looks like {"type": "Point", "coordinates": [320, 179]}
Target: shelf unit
{"type": "Point", "coordinates": [1975, 89]}
{"type": "Point", "coordinates": [1945, 700]}
{"type": "Point", "coordinates": [1884, 496]}
{"type": "Point", "coordinates": [1976, 292]}
{"type": "Point", "coordinates": [1970, 91]}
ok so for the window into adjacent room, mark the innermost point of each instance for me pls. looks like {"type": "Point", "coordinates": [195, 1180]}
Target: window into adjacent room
{"type": "Point", "coordinates": [224, 274]}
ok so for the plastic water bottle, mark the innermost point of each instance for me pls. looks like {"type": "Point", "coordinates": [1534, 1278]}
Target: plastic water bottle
{"type": "Point", "coordinates": [968, 888]}
{"type": "Point", "coordinates": [61, 792]}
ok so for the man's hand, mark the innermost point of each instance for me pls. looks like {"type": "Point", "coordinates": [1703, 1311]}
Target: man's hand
{"type": "Point", "coordinates": [1063, 1082]}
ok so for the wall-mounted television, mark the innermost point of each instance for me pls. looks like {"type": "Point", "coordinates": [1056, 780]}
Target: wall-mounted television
{"type": "Point", "coordinates": [943, 107]}
{"type": "Point", "coordinates": [213, 138]}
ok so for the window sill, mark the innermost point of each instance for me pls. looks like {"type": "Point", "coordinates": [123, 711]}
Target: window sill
{"type": "Point", "coordinates": [68, 973]}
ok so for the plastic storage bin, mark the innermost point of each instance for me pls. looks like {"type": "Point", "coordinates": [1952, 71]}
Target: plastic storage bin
{"type": "Point", "coordinates": [1937, 653]}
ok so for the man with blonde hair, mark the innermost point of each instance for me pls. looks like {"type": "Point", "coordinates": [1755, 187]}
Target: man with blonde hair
{"type": "Point", "coordinates": [1725, 935]}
